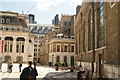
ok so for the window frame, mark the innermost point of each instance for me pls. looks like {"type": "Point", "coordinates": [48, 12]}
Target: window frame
{"type": "Point", "coordinates": [64, 48]}
{"type": "Point", "coordinates": [57, 47]}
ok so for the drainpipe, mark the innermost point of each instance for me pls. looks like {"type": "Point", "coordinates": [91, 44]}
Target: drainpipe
{"type": "Point", "coordinates": [93, 28]}
{"type": "Point", "coordinates": [80, 41]}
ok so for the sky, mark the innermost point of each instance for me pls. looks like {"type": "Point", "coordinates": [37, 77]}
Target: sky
{"type": "Point", "coordinates": [44, 10]}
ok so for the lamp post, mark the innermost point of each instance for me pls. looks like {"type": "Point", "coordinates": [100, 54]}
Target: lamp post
{"type": "Point", "coordinates": [52, 59]}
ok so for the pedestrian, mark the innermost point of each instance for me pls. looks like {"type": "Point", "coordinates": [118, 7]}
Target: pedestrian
{"type": "Point", "coordinates": [0, 66]}
{"type": "Point", "coordinates": [81, 71]}
{"type": "Point", "coordinates": [20, 65]}
{"type": "Point", "coordinates": [71, 70]}
{"type": "Point", "coordinates": [35, 63]}
{"type": "Point", "coordinates": [86, 74]}
{"type": "Point", "coordinates": [10, 64]}
{"type": "Point", "coordinates": [29, 73]}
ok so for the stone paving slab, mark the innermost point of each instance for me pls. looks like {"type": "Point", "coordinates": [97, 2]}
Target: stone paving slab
{"type": "Point", "coordinates": [60, 76]}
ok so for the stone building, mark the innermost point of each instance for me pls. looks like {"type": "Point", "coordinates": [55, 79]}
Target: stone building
{"type": "Point", "coordinates": [15, 39]}
{"type": "Point", "coordinates": [62, 34]}
{"type": "Point", "coordinates": [39, 31]}
{"type": "Point", "coordinates": [61, 49]}
{"type": "Point", "coordinates": [97, 37]}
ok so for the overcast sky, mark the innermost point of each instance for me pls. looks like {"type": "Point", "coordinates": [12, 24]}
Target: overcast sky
{"type": "Point", "coordinates": [44, 10]}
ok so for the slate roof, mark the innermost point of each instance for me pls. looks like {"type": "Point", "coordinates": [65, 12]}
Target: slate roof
{"type": "Point", "coordinates": [14, 21]}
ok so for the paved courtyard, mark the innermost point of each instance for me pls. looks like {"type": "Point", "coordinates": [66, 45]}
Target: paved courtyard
{"type": "Point", "coordinates": [42, 71]}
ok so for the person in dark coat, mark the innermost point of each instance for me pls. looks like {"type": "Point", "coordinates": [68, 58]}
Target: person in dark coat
{"type": "Point", "coordinates": [35, 63]}
{"type": "Point", "coordinates": [20, 65]}
{"type": "Point", "coordinates": [29, 73]}
{"type": "Point", "coordinates": [81, 71]}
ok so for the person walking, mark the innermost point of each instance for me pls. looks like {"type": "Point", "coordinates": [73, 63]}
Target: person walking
{"type": "Point", "coordinates": [10, 64]}
{"type": "Point", "coordinates": [29, 73]}
{"type": "Point", "coordinates": [0, 66]}
{"type": "Point", "coordinates": [81, 71]}
{"type": "Point", "coordinates": [8, 68]}
{"type": "Point", "coordinates": [35, 63]}
{"type": "Point", "coordinates": [20, 65]}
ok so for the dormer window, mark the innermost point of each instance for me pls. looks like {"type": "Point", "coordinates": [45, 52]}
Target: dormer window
{"type": "Point", "coordinates": [8, 21]}
{"type": "Point", "coordinates": [2, 20]}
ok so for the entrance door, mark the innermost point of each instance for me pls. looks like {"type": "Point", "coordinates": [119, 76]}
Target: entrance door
{"type": "Point", "coordinates": [7, 58]}
{"type": "Point", "coordinates": [19, 59]}
{"type": "Point", "coordinates": [72, 60]}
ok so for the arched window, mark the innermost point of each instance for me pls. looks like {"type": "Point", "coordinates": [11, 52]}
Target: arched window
{"type": "Point", "coordinates": [8, 44]}
{"type": "Point", "coordinates": [72, 60]}
{"type": "Point", "coordinates": [8, 21]}
{"type": "Point", "coordinates": [65, 59]}
{"type": "Point", "coordinates": [20, 39]}
{"type": "Point", "coordinates": [101, 26]}
{"type": "Point", "coordinates": [2, 20]}
{"type": "Point", "coordinates": [20, 45]}
{"type": "Point", "coordinates": [58, 59]}
{"type": "Point", "coordinates": [90, 31]}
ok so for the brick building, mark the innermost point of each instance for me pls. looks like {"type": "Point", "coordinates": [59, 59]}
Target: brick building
{"type": "Point", "coordinates": [97, 37]}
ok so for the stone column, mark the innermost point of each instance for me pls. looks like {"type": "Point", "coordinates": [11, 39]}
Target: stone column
{"type": "Point", "coordinates": [26, 48]}
{"type": "Point", "coordinates": [14, 53]}
{"type": "Point", "coordinates": [14, 45]}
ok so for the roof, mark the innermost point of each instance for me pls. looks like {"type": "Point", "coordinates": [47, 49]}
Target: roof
{"type": "Point", "coordinates": [14, 21]}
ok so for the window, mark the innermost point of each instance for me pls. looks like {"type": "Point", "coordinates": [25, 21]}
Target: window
{"type": "Point", "coordinates": [58, 59]}
{"type": "Point", "coordinates": [20, 44]}
{"type": "Point", "coordinates": [35, 49]}
{"type": "Point", "coordinates": [8, 44]}
{"type": "Point", "coordinates": [65, 59]}
{"type": "Point", "coordinates": [5, 46]}
{"type": "Point", "coordinates": [58, 48]}
{"type": "Point", "coordinates": [17, 48]}
{"type": "Point", "coordinates": [2, 20]}
{"type": "Point", "coordinates": [35, 45]}
{"type": "Point", "coordinates": [67, 30]}
{"type": "Point", "coordinates": [11, 47]}
{"type": "Point", "coordinates": [35, 54]}
{"type": "Point", "coordinates": [8, 21]}
{"type": "Point", "coordinates": [65, 48]}
{"type": "Point", "coordinates": [84, 33]}
{"type": "Point", "coordinates": [90, 32]}
{"type": "Point", "coordinates": [72, 48]}
{"type": "Point", "coordinates": [38, 54]}
{"type": "Point", "coordinates": [22, 48]}
{"type": "Point", "coordinates": [101, 28]}
{"type": "Point", "coordinates": [38, 49]}
{"type": "Point", "coordinates": [67, 23]}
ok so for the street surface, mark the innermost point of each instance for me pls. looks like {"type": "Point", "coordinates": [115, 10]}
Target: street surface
{"type": "Point", "coordinates": [42, 71]}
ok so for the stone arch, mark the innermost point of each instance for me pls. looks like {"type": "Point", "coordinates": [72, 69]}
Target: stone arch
{"type": "Point", "coordinates": [19, 59]}
{"type": "Point", "coordinates": [7, 58]}
{"type": "Point", "coordinates": [20, 39]}
{"type": "Point", "coordinates": [9, 38]}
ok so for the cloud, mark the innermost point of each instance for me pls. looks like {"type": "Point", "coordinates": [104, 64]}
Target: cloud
{"type": "Point", "coordinates": [44, 5]}
{"type": "Point", "coordinates": [76, 2]}
{"type": "Point", "coordinates": [16, 0]}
